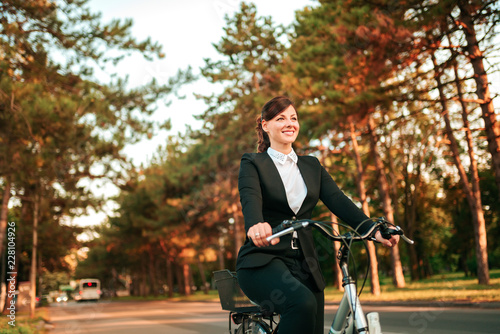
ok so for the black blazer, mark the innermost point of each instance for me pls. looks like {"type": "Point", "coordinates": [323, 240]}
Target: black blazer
{"type": "Point", "coordinates": [263, 199]}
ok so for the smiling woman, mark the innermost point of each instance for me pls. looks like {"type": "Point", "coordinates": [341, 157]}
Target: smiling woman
{"type": "Point", "coordinates": [276, 184]}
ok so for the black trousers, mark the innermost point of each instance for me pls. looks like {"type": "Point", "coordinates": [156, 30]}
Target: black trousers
{"type": "Point", "coordinates": [284, 286]}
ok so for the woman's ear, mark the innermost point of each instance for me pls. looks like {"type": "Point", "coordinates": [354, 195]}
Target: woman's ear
{"type": "Point", "coordinates": [264, 126]}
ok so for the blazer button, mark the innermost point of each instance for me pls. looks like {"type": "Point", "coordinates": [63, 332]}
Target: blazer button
{"type": "Point", "coordinates": [294, 218]}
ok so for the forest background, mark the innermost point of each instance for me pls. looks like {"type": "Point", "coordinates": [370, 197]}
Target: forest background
{"type": "Point", "coordinates": [395, 99]}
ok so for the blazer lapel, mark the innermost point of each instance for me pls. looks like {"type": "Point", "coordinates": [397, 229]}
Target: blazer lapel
{"type": "Point", "coordinates": [308, 175]}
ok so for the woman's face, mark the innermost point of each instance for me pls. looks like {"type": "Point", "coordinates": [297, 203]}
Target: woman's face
{"type": "Point", "coordinates": [282, 129]}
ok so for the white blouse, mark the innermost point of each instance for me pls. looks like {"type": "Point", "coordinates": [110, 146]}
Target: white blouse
{"type": "Point", "coordinates": [295, 187]}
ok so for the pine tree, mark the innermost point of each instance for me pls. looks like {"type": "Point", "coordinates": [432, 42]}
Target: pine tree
{"type": "Point", "coordinates": [57, 122]}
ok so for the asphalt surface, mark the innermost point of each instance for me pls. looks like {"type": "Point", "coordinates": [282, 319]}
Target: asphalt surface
{"type": "Point", "coordinates": [154, 317]}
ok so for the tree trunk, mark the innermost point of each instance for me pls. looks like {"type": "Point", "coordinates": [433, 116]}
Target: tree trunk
{"type": "Point", "coordinates": [144, 288]}
{"type": "Point", "coordinates": [492, 126]}
{"type": "Point", "coordinates": [360, 181]}
{"type": "Point", "coordinates": [472, 195]}
{"type": "Point", "coordinates": [152, 272]}
{"type": "Point", "coordinates": [221, 251]}
{"type": "Point", "coordinates": [239, 229]}
{"type": "Point", "coordinates": [13, 272]}
{"type": "Point", "coordinates": [4, 214]}
{"type": "Point", "coordinates": [337, 273]}
{"type": "Point", "coordinates": [480, 231]}
{"type": "Point", "coordinates": [11, 278]}
{"type": "Point", "coordinates": [410, 212]}
{"type": "Point", "coordinates": [170, 277]}
{"type": "Point", "coordinates": [187, 279]}
{"type": "Point", "coordinates": [179, 278]}
{"type": "Point", "coordinates": [201, 269]}
{"type": "Point", "coordinates": [398, 277]}
{"type": "Point", "coordinates": [34, 257]}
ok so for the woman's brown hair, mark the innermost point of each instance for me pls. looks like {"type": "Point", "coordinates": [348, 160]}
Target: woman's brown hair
{"type": "Point", "coordinates": [272, 108]}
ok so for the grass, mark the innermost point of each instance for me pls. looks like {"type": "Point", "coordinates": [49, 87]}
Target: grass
{"type": "Point", "coordinates": [24, 324]}
{"type": "Point", "coordinates": [453, 287]}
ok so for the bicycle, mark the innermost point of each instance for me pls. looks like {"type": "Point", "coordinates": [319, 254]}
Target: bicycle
{"type": "Point", "coordinates": [349, 318]}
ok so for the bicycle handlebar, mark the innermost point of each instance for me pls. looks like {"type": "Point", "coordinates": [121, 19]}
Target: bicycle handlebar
{"type": "Point", "coordinates": [289, 226]}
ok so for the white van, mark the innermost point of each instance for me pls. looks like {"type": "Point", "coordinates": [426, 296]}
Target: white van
{"type": "Point", "coordinates": [88, 289]}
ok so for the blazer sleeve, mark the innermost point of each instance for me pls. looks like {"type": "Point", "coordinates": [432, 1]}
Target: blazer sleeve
{"type": "Point", "coordinates": [339, 204]}
{"type": "Point", "coordinates": [250, 191]}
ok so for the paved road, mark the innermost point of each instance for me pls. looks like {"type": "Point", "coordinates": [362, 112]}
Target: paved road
{"type": "Point", "coordinates": [190, 318]}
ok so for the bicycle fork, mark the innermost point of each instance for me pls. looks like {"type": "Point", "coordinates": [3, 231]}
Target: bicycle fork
{"type": "Point", "coordinates": [349, 314]}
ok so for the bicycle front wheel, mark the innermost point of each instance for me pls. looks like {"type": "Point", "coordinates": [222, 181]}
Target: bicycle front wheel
{"type": "Point", "coordinates": [252, 326]}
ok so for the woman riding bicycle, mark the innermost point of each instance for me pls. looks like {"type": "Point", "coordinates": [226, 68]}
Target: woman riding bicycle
{"type": "Point", "coordinates": [276, 184]}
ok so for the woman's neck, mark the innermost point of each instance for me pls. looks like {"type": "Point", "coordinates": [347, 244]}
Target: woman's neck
{"type": "Point", "coordinates": [285, 149]}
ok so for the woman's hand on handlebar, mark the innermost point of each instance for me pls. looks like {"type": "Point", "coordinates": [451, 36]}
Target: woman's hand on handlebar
{"type": "Point", "coordinates": [393, 241]}
{"type": "Point", "coordinates": [259, 232]}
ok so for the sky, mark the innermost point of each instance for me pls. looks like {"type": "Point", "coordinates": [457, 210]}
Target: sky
{"type": "Point", "coordinates": [186, 30]}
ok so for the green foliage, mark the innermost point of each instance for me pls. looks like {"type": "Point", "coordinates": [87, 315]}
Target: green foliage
{"type": "Point", "coordinates": [51, 281]}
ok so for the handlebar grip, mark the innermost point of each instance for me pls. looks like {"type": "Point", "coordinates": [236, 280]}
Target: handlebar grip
{"type": "Point", "coordinates": [284, 225]}
{"type": "Point", "coordinates": [287, 227]}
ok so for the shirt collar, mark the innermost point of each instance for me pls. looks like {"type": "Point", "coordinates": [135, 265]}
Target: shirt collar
{"type": "Point", "coordinates": [280, 157]}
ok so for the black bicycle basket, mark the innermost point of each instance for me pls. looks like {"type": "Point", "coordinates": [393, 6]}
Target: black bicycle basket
{"type": "Point", "coordinates": [230, 295]}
